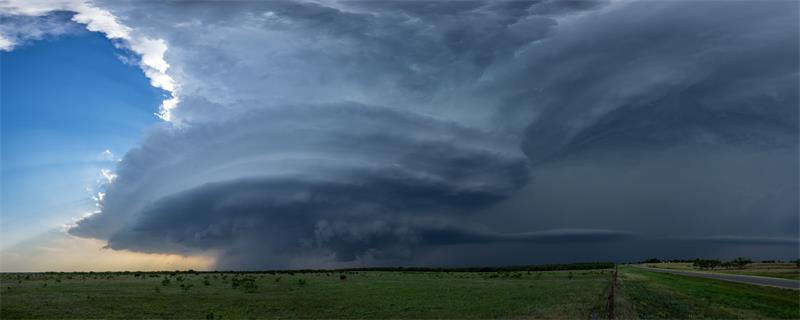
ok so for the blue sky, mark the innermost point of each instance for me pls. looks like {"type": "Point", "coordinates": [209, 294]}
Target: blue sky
{"type": "Point", "coordinates": [65, 100]}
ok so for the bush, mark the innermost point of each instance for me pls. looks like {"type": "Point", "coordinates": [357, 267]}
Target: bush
{"type": "Point", "coordinates": [248, 284]}
{"type": "Point", "coordinates": [342, 277]}
{"type": "Point", "coordinates": [706, 263]}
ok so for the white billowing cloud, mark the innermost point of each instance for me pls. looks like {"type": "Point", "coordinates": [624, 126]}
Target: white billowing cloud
{"type": "Point", "coordinates": [96, 19]}
{"type": "Point", "coordinates": [5, 43]}
{"type": "Point", "coordinates": [99, 20]}
{"type": "Point", "coordinates": [108, 175]}
{"type": "Point", "coordinates": [17, 30]}
{"type": "Point", "coordinates": [108, 155]}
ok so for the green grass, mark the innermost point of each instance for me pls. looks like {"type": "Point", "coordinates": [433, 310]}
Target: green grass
{"type": "Point", "coordinates": [783, 274]}
{"type": "Point", "coordinates": [667, 296]}
{"type": "Point", "coordinates": [370, 294]}
{"type": "Point", "coordinates": [772, 270]}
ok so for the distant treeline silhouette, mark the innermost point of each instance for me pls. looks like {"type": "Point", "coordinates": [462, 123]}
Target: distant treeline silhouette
{"type": "Point", "coordinates": [739, 262]}
{"type": "Point", "coordinates": [541, 267]}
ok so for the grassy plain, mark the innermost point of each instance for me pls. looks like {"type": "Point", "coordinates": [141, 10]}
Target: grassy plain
{"type": "Point", "coordinates": [649, 295]}
{"type": "Point", "coordinates": [773, 270]}
{"type": "Point", "coordinates": [373, 294]}
{"type": "Point", "coordinates": [576, 294]}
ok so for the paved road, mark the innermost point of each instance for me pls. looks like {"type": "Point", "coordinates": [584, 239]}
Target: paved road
{"type": "Point", "coordinates": [762, 281]}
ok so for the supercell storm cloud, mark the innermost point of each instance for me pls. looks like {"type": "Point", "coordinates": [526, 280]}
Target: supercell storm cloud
{"type": "Point", "coordinates": [333, 133]}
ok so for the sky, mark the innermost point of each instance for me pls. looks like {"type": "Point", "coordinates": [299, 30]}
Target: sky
{"type": "Point", "coordinates": [324, 134]}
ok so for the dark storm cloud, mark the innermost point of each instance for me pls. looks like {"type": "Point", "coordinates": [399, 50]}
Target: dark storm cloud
{"type": "Point", "coordinates": [473, 124]}
{"type": "Point", "coordinates": [666, 122]}
{"type": "Point", "coordinates": [791, 242]}
{"type": "Point", "coordinates": [324, 180]}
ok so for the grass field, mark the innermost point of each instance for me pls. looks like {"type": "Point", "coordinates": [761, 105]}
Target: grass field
{"type": "Point", "coordinates": [650, 295]}
{"type": "Point", "coordinates": [576, 294]}
{"type": "Point", "coordinates": [773, 270]}
{"type": "Point", "coordinates": [553, 294]}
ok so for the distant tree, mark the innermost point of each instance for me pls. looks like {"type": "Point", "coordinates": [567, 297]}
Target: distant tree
{"type": "Point", "coordinates": [741, 262]}
{"type": "Point", "coordinates": [706, 263]}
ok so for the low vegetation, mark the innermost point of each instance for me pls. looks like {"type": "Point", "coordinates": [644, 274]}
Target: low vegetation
{"type": "Point", "coordinates": [522, 292]}
{"type": "Point", "coordinates": [768, 268]}
{"type": "Point", "coordinates": [514, 292]}
{"type": "Point", "coordinates": [650, 295]}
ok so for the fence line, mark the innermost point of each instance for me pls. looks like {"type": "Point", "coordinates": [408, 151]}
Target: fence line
{"type": "Point", "coordinates": [610, 304]}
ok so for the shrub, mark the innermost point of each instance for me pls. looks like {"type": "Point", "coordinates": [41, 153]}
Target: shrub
{"type": "Point", "coordinates": [342, 277]}
{"type": "Point", "coordinates": [165, 282]}
{"type": "Point", "coordinates": [250, 286]}
{"type": "Point", "coordinates": [705, 263]}
{"type": "Point", "coordinates": [206, 282]}
{"type": "Point", "coordinates": [301, 282]}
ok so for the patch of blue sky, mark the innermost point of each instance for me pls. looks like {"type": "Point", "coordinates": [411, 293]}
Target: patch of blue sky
{"type": "Point", "coordinates": [64, 101]}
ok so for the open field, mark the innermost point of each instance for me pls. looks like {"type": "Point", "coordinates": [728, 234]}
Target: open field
{"type": "Point", "coordinates": [646, 294]}
{"type": "Point", "coordinates": [774, 270]}
{"type": "Point", "coordinates": [372, 294]}
{"type": "Point", "coordinates": [572, 294]}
